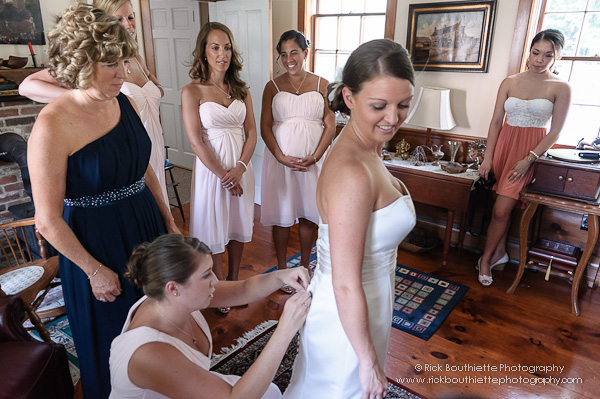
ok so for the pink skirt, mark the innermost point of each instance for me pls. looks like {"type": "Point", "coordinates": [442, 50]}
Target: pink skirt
{"type": "Point", "coordinates": [514, 143]}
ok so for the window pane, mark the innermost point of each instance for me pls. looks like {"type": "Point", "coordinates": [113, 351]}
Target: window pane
{"type": "Point", "coordinates": [326, 33]}
{"type": "Point", "coordinates": [569, 25]}
{"type": "Point", "coordinates": [342, 58]}
{"type": "Point", "coordinates": [349, 33]}
{"type": "Point", "coordinates": [585, 85]}
{"type": "Point", "coordinates": [329, 6]}
{"type": "Point", "coordinates": [353, 6]}
{"type": "Point", "coordinates": [582, 122]}
{"type": "Point", "coordinates": [325, 65]}
{"type": "Point", "coordinates": [594, 5]}
{"type": "Point", "coordinates": [564, 69]}
{"type": "Point", "coordinates": [377, 5]}
{"type": "Point", "coordinates": [565, 5]}
{"type": "Point", "coordinates": [589, 45]}
{"type": "Point", "coordinates": [373, 28]}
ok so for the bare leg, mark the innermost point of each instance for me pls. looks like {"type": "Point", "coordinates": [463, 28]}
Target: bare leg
{"type": "Point", "coordinates": [218, 265]}
{"type": "Point", "coordinates": [306, 231]}
{"type": "Point", "coordinates": [281, 236]}
{"type": "Point", "coordinates": [495, 244]}
{"type": "Point", "coordinates": [234, 259]}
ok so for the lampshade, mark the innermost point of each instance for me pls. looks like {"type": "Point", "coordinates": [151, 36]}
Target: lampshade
{"type": "Point", "coordinates": [432, 109]}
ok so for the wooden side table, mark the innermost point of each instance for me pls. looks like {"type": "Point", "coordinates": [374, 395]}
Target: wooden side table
{"type": "Point", "coordinates": [438, 188]}
{"type": "Point", "coordinates": [573, 206]}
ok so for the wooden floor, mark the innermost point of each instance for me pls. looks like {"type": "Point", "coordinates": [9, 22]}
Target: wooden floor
{"type": "Point", "coordinates": [480, 348]}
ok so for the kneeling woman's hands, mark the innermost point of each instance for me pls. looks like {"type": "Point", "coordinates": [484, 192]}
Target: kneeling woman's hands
{"type": "Point", "coordinates": [297, 278]}
{"type": "Point", "coordinates": [295, 312]}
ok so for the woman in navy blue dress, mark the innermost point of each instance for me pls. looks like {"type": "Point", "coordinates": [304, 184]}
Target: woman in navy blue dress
{"type": "Point", "coordinates": [95, 195]}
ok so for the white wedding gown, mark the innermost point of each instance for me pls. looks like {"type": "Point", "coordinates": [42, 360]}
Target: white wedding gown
{"type": "Point", "coordinates": [326, 366]}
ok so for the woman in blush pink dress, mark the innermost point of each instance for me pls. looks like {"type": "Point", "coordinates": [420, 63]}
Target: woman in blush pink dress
{"type": "Point", "coordinates": [297, 128]}
{"type": "Point", "coordinates": [219, 121]}
{"type": "Point", "coordinates": [529, 100]}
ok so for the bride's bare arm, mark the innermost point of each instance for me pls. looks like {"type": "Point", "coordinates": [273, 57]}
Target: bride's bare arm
{"type": "Point", "coordinates": [352, 194]}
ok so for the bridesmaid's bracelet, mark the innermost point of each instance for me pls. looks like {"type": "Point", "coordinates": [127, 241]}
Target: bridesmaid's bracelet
{"type": "Point", "coordinates": [242, 162]}
{"type": "Point", "coordinates": [534, 154]}
{"type": "Point", "coordinates": [314, 158]}
{"type": "Point", "coordinates": [95, 272]}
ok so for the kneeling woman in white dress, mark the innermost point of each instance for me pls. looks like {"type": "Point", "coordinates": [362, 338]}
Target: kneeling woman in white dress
{"type": "Point", "coordinates": [165, 347]}
{"type": "Point", "coordinates": [365, 213]}
{"type": "Point", "coordinates": [219, 122]}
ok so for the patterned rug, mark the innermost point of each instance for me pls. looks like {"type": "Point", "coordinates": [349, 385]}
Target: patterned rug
{"type": "Point", "coordinates": [60, 332]}
{"type": "Point", "coordinates": [422, 301]}
{"type": "Point", "coordinates": [237, 359]}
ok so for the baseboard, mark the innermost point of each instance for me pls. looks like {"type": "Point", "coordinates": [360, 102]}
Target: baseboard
{"type": "Point", "coordinates": [476, 244]}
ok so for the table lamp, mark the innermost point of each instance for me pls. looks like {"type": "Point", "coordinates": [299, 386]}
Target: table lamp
{"type": "Point", "coordinates": [432, 111]}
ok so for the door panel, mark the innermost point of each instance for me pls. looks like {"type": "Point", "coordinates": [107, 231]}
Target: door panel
{"type": "Point", "coordinates": [250, 23]}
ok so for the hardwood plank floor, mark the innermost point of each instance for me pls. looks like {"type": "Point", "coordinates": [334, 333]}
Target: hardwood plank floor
{"type": "Point", "coordinates": [488, 329]}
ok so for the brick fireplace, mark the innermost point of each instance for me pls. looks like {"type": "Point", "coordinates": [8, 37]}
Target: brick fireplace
{"type": "Point", "coordinates": [17, 117]}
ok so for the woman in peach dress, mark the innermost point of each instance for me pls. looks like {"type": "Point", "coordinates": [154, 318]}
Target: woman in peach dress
{"type": "Point", "coordinates": [530, 100]}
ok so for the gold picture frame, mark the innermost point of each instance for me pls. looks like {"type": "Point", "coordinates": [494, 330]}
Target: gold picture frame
{"type": "Point", "coordinates": [453, 36]}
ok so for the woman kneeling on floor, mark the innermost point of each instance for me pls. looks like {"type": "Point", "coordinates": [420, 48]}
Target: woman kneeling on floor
{"type": "Point", "coordinates": [165, 347]}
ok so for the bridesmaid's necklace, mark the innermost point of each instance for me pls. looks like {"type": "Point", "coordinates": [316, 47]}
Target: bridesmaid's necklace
{"type": "Point", "coordinates": [297, 89]}
{"type": "Point", "coordinates": [223, 91]}
{"type": "Point", "coordinates": [177, 327]}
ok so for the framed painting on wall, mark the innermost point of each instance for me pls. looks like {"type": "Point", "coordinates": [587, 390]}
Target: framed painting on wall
{"type": "Point", "coordinates": [21, 22]}
{"type": "Point", "coordinates": [451, 36]}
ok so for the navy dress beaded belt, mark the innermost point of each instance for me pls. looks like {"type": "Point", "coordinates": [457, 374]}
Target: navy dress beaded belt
{"type": "Point", "coordinates": [108, 197]}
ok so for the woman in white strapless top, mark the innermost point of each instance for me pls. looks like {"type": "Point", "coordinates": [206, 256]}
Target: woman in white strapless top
{"type": "Point", "coordinates": [530, 100]}
{"type": "Point", "coordinates": [364, 214]}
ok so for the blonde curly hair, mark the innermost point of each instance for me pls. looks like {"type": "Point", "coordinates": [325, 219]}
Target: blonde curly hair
{"type": "Point", "coordinates": [83, 36]}
{"type": "Point", "coordinates": [110, 6]}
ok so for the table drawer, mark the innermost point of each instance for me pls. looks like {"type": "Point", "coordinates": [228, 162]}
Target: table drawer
{"type": "Point", "coordinates": [567, 181]}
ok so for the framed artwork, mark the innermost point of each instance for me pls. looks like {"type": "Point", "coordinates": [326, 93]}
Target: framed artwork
{"type": "Point", "coordinates": [452, 36]}
{"type": "Point", "coordinates": [21, 22]}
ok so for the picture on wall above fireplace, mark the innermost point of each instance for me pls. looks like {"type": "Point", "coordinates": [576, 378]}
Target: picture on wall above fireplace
{"type": "Point", "coordinates": [21, 22]}
{"type": "Point", "coordinates": [451, 36]}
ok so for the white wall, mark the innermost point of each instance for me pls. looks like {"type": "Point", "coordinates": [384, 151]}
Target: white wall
{"type": "Point", "coordinates": [50, 10]}
{"type": "Point", "coordinates": [472, 95]}
{"type": "Point", "coordinates": [285, 17]}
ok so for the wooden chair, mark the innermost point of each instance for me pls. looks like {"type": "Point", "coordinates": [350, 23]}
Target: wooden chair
{"type": "Point", "coordinates": [169, 168]}
{"type": "Point", "coordinates": [25, 275]}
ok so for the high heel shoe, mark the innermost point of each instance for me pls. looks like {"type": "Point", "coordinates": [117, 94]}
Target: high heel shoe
{"type": "Point", "coordinates": [287, 289]}
{"type": "Point", "coordinates": [486, 280]}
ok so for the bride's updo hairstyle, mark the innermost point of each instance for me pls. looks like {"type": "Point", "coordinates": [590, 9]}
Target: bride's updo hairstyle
{"type": "Point", "coordinates": [171, 257]}
{"type": "Point", "coordinates": [381, 57]}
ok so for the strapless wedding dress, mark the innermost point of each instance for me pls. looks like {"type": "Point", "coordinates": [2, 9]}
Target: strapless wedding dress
{"type": "Point", "coordinates": [327, 366]}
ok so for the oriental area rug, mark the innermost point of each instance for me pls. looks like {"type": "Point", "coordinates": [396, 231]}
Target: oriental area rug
{"type": "Point", "coordinates": [422, 301]}
{"type": "Point", "coordinates": [237, 359]}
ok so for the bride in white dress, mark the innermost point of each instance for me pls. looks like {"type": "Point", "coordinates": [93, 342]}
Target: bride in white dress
{"type": "Point", "coordinates": [364, 214]}
{"type": "Point", "coordinates": [219, 122]}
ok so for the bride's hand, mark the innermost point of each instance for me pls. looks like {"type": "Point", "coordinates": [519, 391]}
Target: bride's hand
{"type": "Point", "coordinates": [372, 381]}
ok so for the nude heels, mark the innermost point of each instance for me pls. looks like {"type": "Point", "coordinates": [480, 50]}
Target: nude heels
{"type": "Point", "coordinates": [486, 280]}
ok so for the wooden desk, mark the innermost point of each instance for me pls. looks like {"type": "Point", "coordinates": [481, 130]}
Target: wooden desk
{"type": "Point", "coordinates": [452, 192]}
{"type": "Point", "coordinates": [593, 212]}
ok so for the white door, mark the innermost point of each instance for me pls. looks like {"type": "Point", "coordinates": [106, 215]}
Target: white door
{"type": "Point", "coordinates": [175, 27]}
{"type": "Point", "coordinates": [250, 23]}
